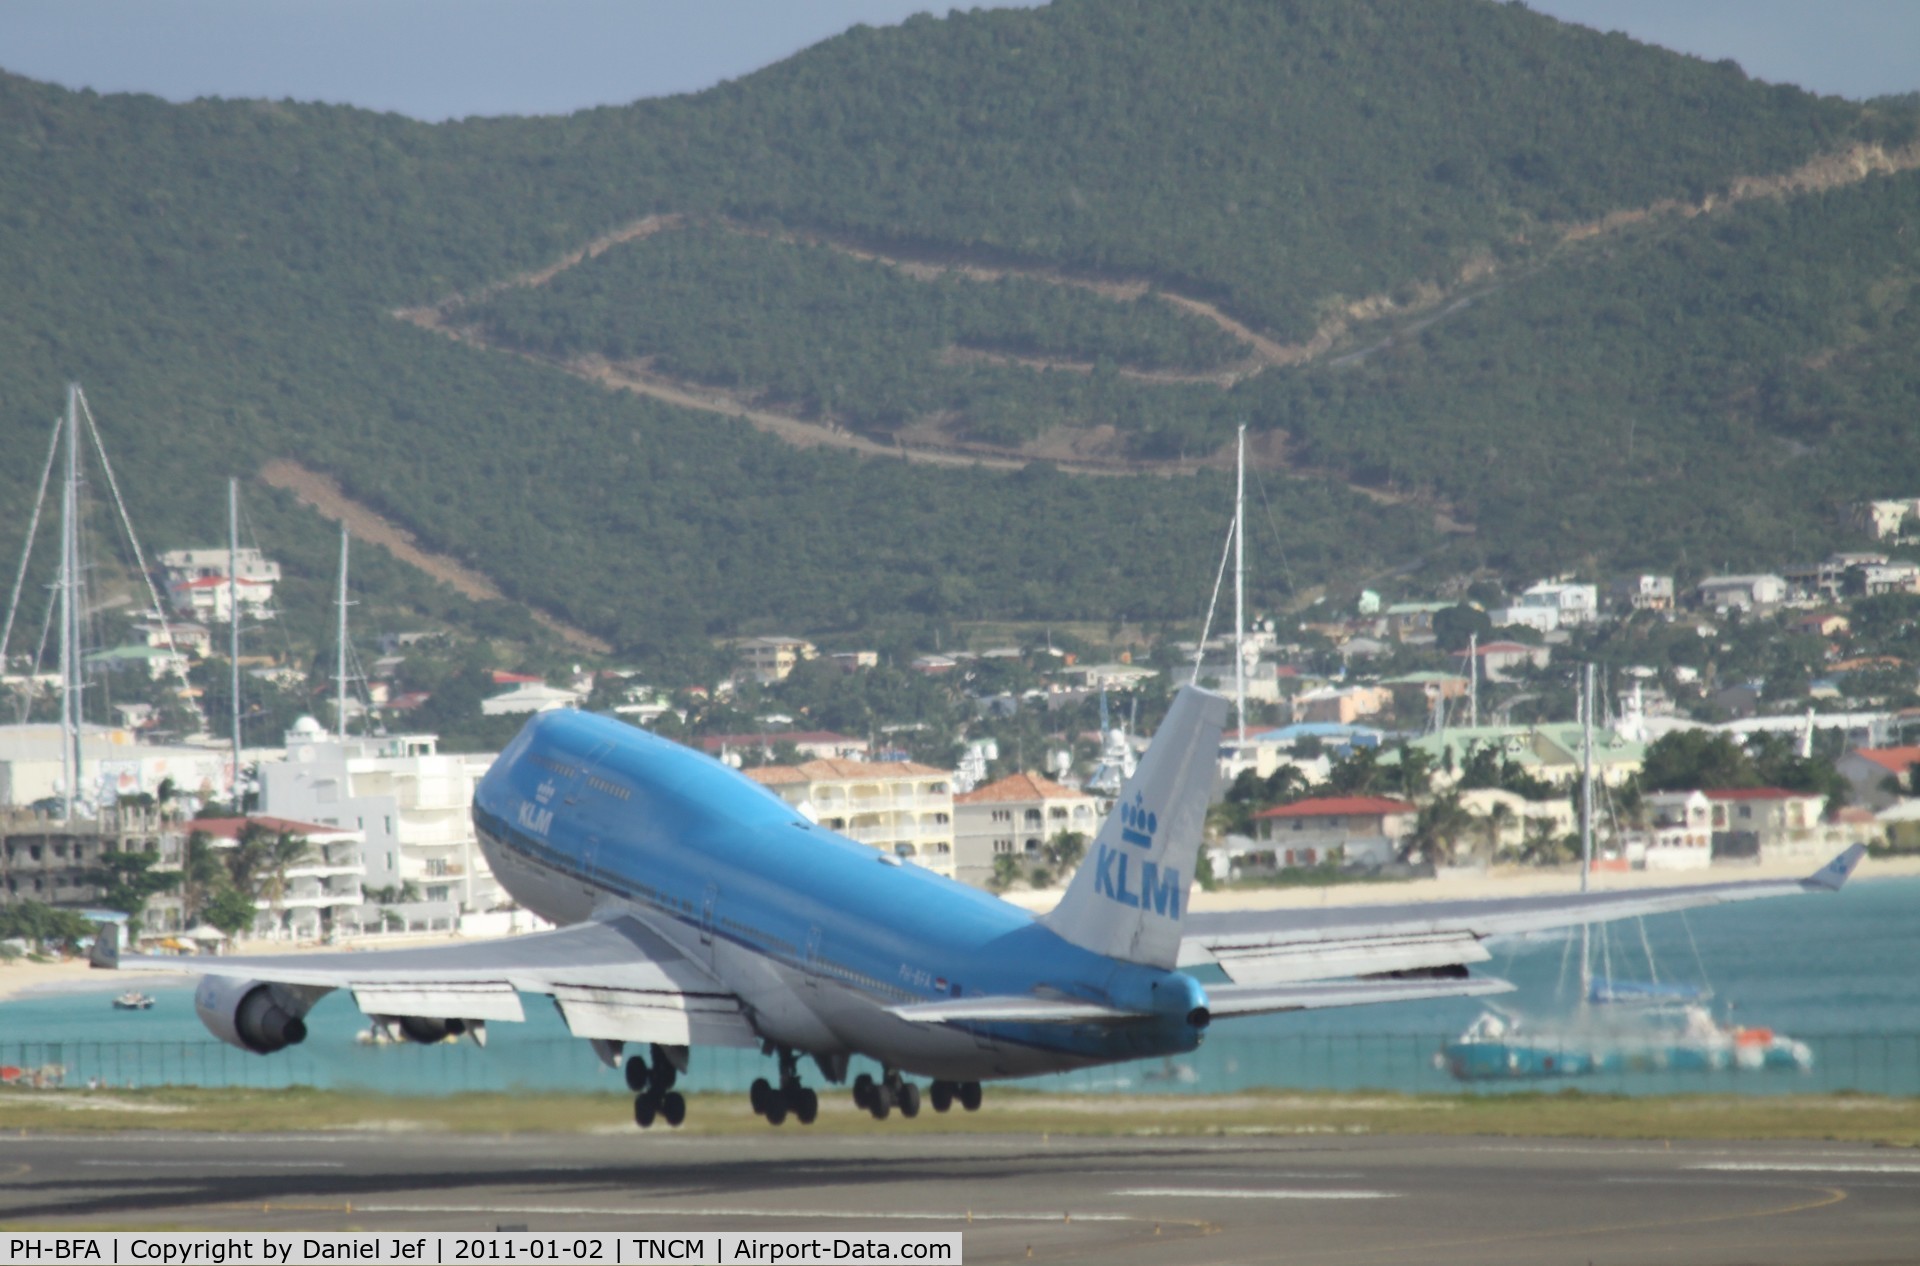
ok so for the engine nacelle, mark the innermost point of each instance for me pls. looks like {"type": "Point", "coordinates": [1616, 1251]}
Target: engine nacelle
{"type": "Point", "coordinates": [256, 1017]}
{"type": "Point", "coordinates": [427, 1030]}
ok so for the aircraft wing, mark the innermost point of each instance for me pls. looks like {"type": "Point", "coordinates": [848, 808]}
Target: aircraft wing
{"type": "Point", "coordinates": [614, 980]}
{"type": "Point", "coordinates": [1268, 947]}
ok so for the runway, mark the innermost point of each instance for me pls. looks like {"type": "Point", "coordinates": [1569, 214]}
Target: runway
{"type": "Point", "coordinates": [1305, 1199]}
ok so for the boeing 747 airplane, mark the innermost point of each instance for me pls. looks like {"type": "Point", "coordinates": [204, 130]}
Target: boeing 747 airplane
{"type": "Point", "coordinates": [701, 909]}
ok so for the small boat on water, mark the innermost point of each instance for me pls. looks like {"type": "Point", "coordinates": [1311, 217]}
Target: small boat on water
{"type": "Point", "coordinates": [1500, 1046]}
{"type": "Point", "coordinates": [133, 1000]}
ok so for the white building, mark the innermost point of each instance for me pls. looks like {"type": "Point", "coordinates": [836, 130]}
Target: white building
{"type": "Point", "coordinates": [1742, 593]}
{"type": "Point", "coordinates": [413, 805]}
{"type": "Point", "coordinates": [1551, 605]}
{"type": "Point", "coordinates": [897, 806]}
{"type": "Point", "coordinates": [1644, 592]}
{"type": "Point", "coordinates": [770, 659]}
{"type": "Point", "coordinates": [197, 584]}
{"type": "Point", "coordinates": [322, 890]}
{"type": "Point", "coordinates": [1015, 817]}
{"type": "Point", "coordinates": [532, 696]}
{"type": "Point", "coordinates": [113, 763]}
{"type": "Point", "coordinates": [1680, 835]}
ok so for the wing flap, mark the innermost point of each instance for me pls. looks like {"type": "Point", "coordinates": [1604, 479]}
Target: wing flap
{"type": "Point", "coordinates": [670, 1017]}
{"type": "Point", "coordinates": [1276, 963]}
{"type": "Point", "coordinates": [1235, 1000]}
{"type": "Point", "coordinates": [477, 1000]}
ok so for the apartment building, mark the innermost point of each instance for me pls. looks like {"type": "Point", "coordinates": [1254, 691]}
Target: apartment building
{"type": "Point", "coordinates": [896, 806]}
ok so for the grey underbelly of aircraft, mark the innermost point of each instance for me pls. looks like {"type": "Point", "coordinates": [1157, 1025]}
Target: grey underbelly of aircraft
{"type": "Point", "coordinates": [811, 1011]}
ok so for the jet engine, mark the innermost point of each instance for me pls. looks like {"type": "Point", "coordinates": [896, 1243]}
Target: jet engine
{"type": "Point", "coordinates": [427, 1030]}
{"type": "Point", "coordinates": [256, 1017]}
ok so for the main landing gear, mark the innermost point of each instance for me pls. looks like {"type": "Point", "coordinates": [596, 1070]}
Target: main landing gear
{"type": "Point", "coordinates": [654, 1096]}
{"type": "Point", "coordinates": [881, 1097]}
{"type": "Point", "coordinates": [790, 1099]}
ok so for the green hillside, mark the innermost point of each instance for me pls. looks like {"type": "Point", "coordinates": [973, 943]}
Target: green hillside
{"type": "Point", "coordinates": [223, 277]}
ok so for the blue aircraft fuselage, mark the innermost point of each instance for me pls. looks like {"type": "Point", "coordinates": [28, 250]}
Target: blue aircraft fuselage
{"type": "Point", "coordinates": [584, 816]}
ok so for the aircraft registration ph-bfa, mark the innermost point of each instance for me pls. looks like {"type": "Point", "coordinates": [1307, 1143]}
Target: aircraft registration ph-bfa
{"type": "Point", "coordinates": [703, 910]}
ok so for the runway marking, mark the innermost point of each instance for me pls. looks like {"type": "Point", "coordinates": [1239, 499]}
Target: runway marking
{"type": "Point", "coordinates": [1230, 1193]}
{"type": "Point", "coordinates": [842, 1215]}
{"type": "Point", "coordinates": [1810, 1167]}
{"type": "Point", "coordinates": [1828, 1196]}
{"type": "Point", "coordinates": [214, 1164]}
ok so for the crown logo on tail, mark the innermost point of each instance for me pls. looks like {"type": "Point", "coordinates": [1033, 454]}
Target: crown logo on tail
{"type": "Point", "coordinates": [1137, 825]}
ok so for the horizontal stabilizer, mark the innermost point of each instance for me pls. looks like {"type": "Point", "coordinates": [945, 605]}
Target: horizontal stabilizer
{"type": "Point", "coordinates": [1226, 1001]}
{"type": "Point", "coordinates": [1015, 1009]}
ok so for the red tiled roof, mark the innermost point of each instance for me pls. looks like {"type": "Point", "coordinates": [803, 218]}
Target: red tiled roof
{"type": "Point", "coordinates": [230, 828]}
{"type": "Point", "coordinates": [1894, 760]}
{"type": "Point", "coordinates": [1337, 806]}
{"type": "Point", "coordinates": [1018, 787]}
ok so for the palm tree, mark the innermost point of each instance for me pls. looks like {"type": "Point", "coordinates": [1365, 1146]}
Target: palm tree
{"type": "Point", "coordinates": [202, 877]}
{"type": "Point", "coordinates": [1437, 830]}
{"type": "Point", "coordinates": [1499, 817]}
{"type": "Point", "coordinates": [1006, 869]}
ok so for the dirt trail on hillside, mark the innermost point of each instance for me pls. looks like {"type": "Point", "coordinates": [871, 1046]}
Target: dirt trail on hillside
{"type": "Point", "coordinates": [1822, 172]}
{"type": "Point", "coordinates": [1097, 450]}
{"type": "Point", "coordinates": [325, 495]}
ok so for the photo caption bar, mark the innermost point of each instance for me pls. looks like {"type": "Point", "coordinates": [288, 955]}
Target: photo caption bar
{"type": "Point", "coordinates": [441, 1248]}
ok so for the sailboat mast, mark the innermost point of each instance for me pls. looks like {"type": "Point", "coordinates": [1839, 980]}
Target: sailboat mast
{"type": "Point", "coordinates": [72, 715]}
{"type": "Point", "coordinates": [1240, 585]}
{"type": "Point", "coordinates": [233, 623]}
{"type": "Point", "coordinates": [340, 671]}
{"type": "Point", "coordinates": [1586, 780]}
{"type": "Point", "coordinates": [1473, 679]}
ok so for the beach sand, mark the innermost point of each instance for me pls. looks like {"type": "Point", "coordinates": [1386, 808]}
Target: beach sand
{"type": "Point", "coordinates": [20, 978]}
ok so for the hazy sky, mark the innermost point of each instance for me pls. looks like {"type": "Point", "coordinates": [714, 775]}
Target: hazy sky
{"type": "Point", "coordinates": [439, 58]}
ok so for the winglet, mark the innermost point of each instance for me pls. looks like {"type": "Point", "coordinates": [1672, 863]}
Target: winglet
{"type": "Point", "coordinates": [106, 947]}
{"type": "Point", "coordinates": [1835, 873]}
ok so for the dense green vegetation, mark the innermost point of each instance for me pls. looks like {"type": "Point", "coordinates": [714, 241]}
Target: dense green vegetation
{"type": "Point", "coordinates": [1700, 394]}
{"type": "Point", "coordinates": [221, 277]}
{"type": "Point", "coordinates": [829, 336]}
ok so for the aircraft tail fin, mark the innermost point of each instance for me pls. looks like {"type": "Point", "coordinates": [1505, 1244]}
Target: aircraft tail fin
{"type": "Point", "coordinates": [106, 947]}
{"type": "Point", "coordinates": [1128, 897]}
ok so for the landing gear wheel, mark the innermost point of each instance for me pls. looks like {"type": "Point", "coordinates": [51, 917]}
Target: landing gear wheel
{"type": "Point", "coordinates": [760, 1093]}
{"type": "Point", "coordinates": [674, 1108]}
{"type": "Point", "coordinates": [863, 1091]}
{"type": "Point", "coordinates": [776, 1110]}
{"type": "Point", "coordinates": [878, 1105]}
{"type": "Point", "coordinates": [970, 1095]}
{"type": "Point", "coordinates": [644, 1110]}
{"type": "Point", "coordinates": [940, 1093]}
{"type": "Point", "coordinates": [909, 1100]}
{"type": "Point", "coordinates": [806, 1106]}
{"type": "Point", "coordinates": [637, 1076]}
{"type": "Point", "coordinates": [664, 1075]}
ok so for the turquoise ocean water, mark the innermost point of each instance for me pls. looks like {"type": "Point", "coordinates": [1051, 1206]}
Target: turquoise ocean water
{"type": "Point", "coordinates": [1841, 973]}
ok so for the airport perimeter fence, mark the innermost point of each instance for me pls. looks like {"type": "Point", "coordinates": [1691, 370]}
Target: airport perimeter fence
{"type": "Point", "coordinates": [1867, 1063]}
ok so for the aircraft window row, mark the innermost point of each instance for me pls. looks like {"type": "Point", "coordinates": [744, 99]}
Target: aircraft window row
{"type": "Point", "coordinates": [553, 767]}
{"type": "Point", "coordinates": [609, 788]}
{"type": "Point", "coordinates": [881, 987]}
{"type": "Point", "coordinates": [756, 936]}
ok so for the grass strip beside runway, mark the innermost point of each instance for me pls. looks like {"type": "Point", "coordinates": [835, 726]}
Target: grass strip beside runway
{"type": "Point", "coordinates": [1570, 1114]}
